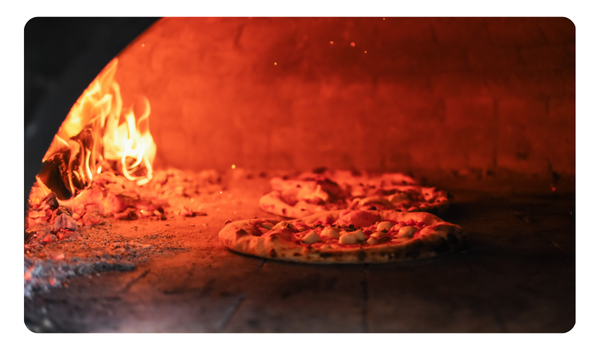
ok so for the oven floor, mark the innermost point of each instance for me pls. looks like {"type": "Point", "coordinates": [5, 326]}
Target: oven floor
{"type": "Point", "coordinates": [517, 276]}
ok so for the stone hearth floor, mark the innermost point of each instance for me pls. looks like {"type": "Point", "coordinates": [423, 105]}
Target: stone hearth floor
{"type": "Point", "coordinates": [174, 275]}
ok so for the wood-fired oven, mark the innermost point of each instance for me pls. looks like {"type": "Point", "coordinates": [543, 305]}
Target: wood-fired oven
{"type": "Point", "coordinates": [481, 107]}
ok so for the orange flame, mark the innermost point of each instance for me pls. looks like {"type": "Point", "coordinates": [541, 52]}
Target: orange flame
{"type": "Point", "coordinates": [92, 135]}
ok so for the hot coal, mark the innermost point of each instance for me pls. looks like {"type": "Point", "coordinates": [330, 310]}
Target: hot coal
{"type": "Point", "coordinates": [90, 250]}
{"type": "Point", "coordinates": [77, 237]}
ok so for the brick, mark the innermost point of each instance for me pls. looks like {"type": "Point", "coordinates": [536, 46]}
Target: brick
{"type": "Point", "coordinates": [470, 128]}
{"type": "Point", "coordinates": [549, 57]}
{"type": "Point", "coordinates": [540, 84]}
{"type": "Point", "coordinates": [561, 134]}
{"type": "Point", "coordinates": [468, 112]}
{"type": "Point", "coordinates": [169, 152]}
{"type": "Point", "coordinates": [562, 113]}
{"type": "Point", "coordinates": [494, 59]}
{"type": "Point", "coordinates": [557, 30]}
{"type": "Point", "coordinates": [522, 111]}
{"type": "Point", "coordinates": [568, 76]}
{"type": "Point", "coordinates": [397, 30]}
{"type": "Point", "coordinates": [515, 31]}
{"type": "Point", "coordinates": [556, 146]}
{"type": "Point", "coordinates": [465, 32]}
{"type": "Point", "coordinates": [522, 124]}
{"type": "Point", "coordinates": [458, 84]}
{"type": "Point", "coordinates": [526, 84]}
{"type": "Point", "coordinates": [221, 99]}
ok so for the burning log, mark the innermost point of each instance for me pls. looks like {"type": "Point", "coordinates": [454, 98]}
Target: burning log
{"type": "Point", "coordinates": [128, 214]}
{"type": "Point", "coordinates": [64, 221]}
{"type": "Point", "coordinates": [49, 202]}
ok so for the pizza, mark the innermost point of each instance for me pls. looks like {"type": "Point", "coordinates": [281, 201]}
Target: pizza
{"type": "Point", "coordinates": [310, 193]}
{"type": "Point", "coordinates": [346, 236]}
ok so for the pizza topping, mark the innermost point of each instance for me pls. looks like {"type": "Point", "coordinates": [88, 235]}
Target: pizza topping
{"type": "Point", "coordinates": [267, 225]}
{"type": "Point", "coordinates": [283, 225]}
{"type": "Point", "coordinates": [331, 231]}
{"type": "Point", "coordinates": [385, 225]}
{"type": "Point", "coordinates": [311, 238]}
{"type": "Point", "coordinates": [379, 234]}
{"type": "Point", "coordinates": [372, 240]}
{"type": "Point", "coordinates": [316, 195]}
{"type": "Point", "coordinates": [348, 238]}
{"type": "Point", "coordinates": [339, 237]}
{"type": "Point", "coordinates": [360, 235]}
{"type": "Point", "coordinates": [407, 231]}
{"type": "Point", "coordinates": [358, 218]}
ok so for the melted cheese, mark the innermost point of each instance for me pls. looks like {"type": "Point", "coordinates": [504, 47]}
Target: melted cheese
{"type": "Point", "coordinates": [360, 235]}
{"type": "Point", "coordinates": [311, 238]}
{"type": "Point", "coordinates": [407, 231]}
{"type": "Point", "coordinates": [331, 232]}
{"type": "Point", "coordinates": [385, 225]}
{"type": "Point", "coordinates": [348, 238]}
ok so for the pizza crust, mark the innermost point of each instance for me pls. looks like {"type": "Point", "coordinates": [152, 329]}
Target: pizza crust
{"type": "Point", "coordinates": [436, 202]}
{"type": "Point", "coordinates": [436, 237]}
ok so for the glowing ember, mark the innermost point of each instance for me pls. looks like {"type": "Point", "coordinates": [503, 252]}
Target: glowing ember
{"type": "Point", "coordinates": [97, 136]}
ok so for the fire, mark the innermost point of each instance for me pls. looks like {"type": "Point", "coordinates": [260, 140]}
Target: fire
{"type": "Point", "coordinates": [98, 135]}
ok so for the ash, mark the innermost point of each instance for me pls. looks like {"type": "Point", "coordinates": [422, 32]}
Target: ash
{"type": "Point", "coordinates": [99, 249]}
{"type": "Point", "coordinates": [61, 244]}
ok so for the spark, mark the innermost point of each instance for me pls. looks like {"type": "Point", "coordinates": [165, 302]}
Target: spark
{"type": "Point", "coordinates": [352, 44]}
{"type": "Point", "coordinates": [232, 166]}
{"type": "Point", "coordinates": [331, 42]}
{"type": "Point", "coordinates": [275, 63]}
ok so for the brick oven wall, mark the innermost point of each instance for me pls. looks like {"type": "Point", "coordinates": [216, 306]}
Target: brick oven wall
{"type": "Point", "coordinates": [428, 93]}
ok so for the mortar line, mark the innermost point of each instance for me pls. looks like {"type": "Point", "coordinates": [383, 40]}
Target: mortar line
{"type": "Point", "coordinates": [230, 312]}
{"type": "Point", "coordinates": [130, 283]}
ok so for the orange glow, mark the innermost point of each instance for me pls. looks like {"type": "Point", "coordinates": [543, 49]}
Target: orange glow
{"type": "Point", "coordinates": [28, 274]}
{"type": "Point", "coordinates": [93, 133]}
{"type": "Point", "coordinates": [275, 63]}
{"type": "Point", "coordinates": [232, 166]}
{"type": "Point", "coordinates": [331, 42]}
{"type": "Point", "coordinates": [352, 44]}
